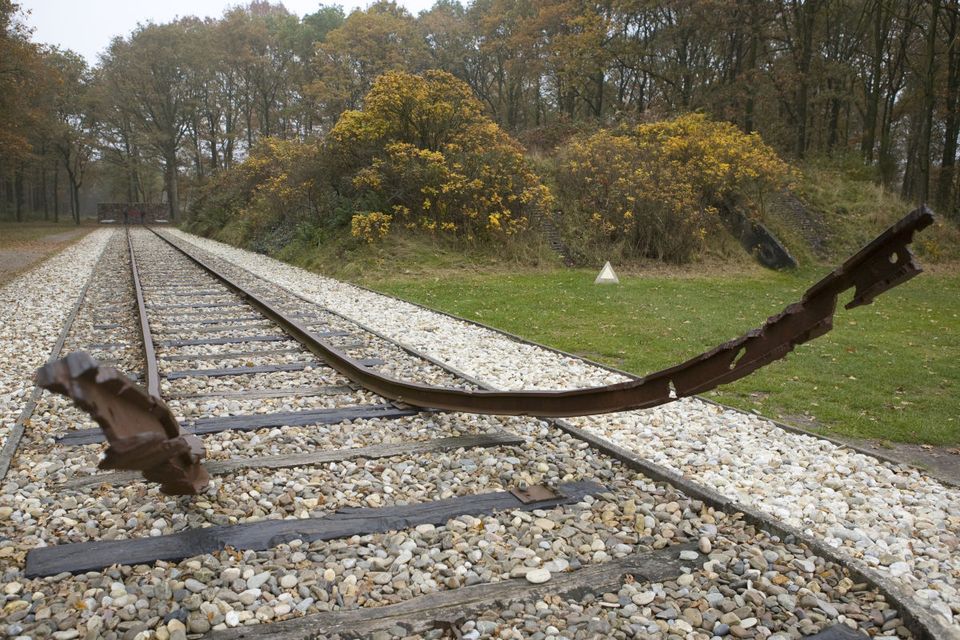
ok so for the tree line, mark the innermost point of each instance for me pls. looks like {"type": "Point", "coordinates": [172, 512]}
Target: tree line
{"type": "Point", "coordinates": [168, 106]}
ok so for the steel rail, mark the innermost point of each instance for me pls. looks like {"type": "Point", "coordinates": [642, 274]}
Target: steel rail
{"type": "Point", "coordinates": [142, 431]}
{"type": "Point", "coordinates": [881, 265]}
{"type": "Point", "coordinates": [149, 353]}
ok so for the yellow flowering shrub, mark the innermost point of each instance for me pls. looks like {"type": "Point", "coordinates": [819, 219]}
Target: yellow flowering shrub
{"type": "Point", "coordinates": [422, 149]}
{"type": "Point", "coordinates": [274, 169]}
{"type": "Point", "coordinates": [419, 157]}
{"type": "Point", "coordinates": [653, 190]}
{"type": "Point", "coordinates": [370, 226]}
{"type": "Point", "coordinates": [267, 194]}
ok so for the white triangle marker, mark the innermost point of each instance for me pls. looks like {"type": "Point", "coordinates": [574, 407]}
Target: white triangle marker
{"type": "Point", "coordinates": [607, 276]}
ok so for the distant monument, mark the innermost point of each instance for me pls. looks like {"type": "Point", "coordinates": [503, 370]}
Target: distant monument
{"type": "Point", "coordinates": [607, 276]}
{"type": "Point", "coordinates": [131, 212]}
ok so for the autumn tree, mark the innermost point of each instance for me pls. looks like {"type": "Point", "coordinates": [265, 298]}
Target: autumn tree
{"type": "Point", "coordinates": [19, 67]}
{"type": "Point", "coordinates": [25, 116]}
{"type": "Point", "coordinates": [370, 42]}
{"type": "Point", "coordinates": [74, 135]}
{"type": "Point", "coordinates": [148, 77]}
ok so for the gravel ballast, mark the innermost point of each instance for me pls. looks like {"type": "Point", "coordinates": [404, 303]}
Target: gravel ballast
{"type": "Point", "coordinates": [735, 582]}
{"type": "Point", "coordinates": [33, 308]}
{"type": "Point", "coordinates": [895, 519]}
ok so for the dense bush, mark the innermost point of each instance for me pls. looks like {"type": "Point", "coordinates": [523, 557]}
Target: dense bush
{"type": "Point", "coordinates": [654, 190]}
{"type": "Point", "coordinates": [278, 186]}
{"type": "Point", "coordinates": [422, 156]}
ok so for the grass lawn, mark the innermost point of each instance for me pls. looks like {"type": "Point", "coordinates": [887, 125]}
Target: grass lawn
{"type": "Point", "coordinates": [890, 370]}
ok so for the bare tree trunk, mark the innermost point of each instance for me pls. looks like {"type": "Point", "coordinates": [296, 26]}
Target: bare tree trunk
{"type": "Point", "coordinates": [806, 15]}
{"type": "Point", "coordinates": [131, 172]}
{"type": "Point", "coordinates": [212, 143]}
{"type": "Point", "coordinates": [131, 186]}
{"type": "Point", "coordinates": [18, 192]}
{"type": "Point", "coordinates": [32, 191]}
{"type": "Point", "coordinates": [833, 126]}
{"type": "Point", "coordinates": [173, 188]}
{"type": "Point", "coordinates": [139, 192]}
{"type": "Point", "coordinates": [56, 193]}
{"type": "Point", "coordinates": [76, 199]}
{"type": "Point", "coordinates": [4, 193]}
{"type": "Point", "coordinates": [600, 80]}
{"type": "Point", "coordinates": [916, 180]}
{"type": "Point", "coordinates": [73, 201]}
{"type": "Point", "coordinates": [44, 187]}
{"type": "Point", "coordinates": [751, 67]}
{"type": "Point", "coordinates": [944, 197]}
{"type": "Point", "coordinates": [880, 32]}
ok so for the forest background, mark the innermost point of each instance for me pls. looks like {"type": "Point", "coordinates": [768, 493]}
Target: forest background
{"type": "Point", "coordinates": [171, 108]}
{"type": "Point", "coordinates": [409, 152]}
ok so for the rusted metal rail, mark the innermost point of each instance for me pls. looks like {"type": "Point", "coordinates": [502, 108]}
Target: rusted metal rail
{"type": "Point", "coordinates": [881, 265]}
{"type": "Point", "coordinates": [142, 431]}
{"type": "Point", "coordinates": [144, 435]}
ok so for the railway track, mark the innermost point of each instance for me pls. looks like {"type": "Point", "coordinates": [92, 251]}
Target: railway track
{"type": "Point", "coordinates": [334, 512]}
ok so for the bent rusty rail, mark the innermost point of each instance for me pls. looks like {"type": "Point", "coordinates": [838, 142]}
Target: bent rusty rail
{"type": "Point", "coordinates": [881, 265]}
{"type": "Point", "coordinates": [142, 432]}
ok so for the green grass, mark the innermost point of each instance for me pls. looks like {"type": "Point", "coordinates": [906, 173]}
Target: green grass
{"type": "Point", "coordinates": [890, 370]}
{"type": "Point", "coordinates": [414, 257]}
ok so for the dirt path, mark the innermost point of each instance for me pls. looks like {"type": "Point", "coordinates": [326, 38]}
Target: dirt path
{"type": "Point", "coordinates": [940, 462]}
{"type": "Point", "coordinates": [24, 245]}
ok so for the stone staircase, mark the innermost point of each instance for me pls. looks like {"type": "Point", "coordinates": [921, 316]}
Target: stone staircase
{"type": "Point", "coordinates": [555, 240]}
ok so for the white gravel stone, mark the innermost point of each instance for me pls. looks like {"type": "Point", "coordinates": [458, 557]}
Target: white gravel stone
{"type": "Point", "coordinates": [33, 308]}
{"type": "Point", "coordinates": [258, 580]}
{"type": "Point", "coordinates": [538, 576]}
{"type": "Point", "coordinates": [806, 565]}
{"type": "Point", "coordinates": [868, 509]}
{"type": "Point", "coordinates": [705, 545]}
{"type": "Point", "coordinates": [232, 618]}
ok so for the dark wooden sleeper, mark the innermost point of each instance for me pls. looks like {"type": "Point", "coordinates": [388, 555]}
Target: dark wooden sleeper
{"type": "Point", "coordinates": [437, 610]}
{"type": "Point", "coordinates": [241, 371]}
{"type": "Point", "coordinates": [265, 534]}
{"type": "Point", "coordinates": [221, 467]}
{"type": "Point", "coordinates": [252, 422]}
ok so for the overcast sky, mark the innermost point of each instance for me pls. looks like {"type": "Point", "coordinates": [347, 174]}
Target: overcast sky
{"type": "Point", "coordinates": [87, 26]}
